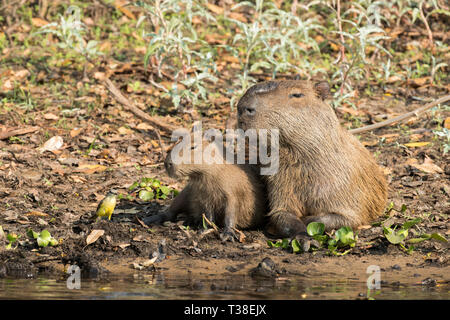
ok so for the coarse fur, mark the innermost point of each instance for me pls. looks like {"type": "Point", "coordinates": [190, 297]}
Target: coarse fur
{"type": "Point", "coordinates": [230, 195]}
{"type": "Point", "coordinates": [325, 174]}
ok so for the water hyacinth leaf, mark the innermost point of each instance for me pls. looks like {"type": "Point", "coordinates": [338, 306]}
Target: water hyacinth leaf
{"type": "Point", "coordinates": [32, 234]}
{"type": "Point", "coordinates": [44, 238]}
{"type": "Point", "coordinates": [146, 195]}
{"type": "Point", "coordinates": [345, 236]}
{"type": "Point", "coordinates": [315, 228]}
{"type": "Point", "coordinates": [165, 190]}
{"type": "Point", "coordinates": [395, 237]}
{"type": "Point", "coordinates": [295, 246]}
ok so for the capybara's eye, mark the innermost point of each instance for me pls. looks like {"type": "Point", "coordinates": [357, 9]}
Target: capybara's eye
{"type": "Point", "coordinates": [296, 95]}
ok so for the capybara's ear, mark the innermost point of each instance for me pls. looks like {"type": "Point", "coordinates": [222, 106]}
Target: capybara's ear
{"type": "Point", "coordinates": [322, 89]}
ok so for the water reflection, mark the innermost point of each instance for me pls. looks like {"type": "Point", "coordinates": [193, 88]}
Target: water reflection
{"type": "Point", "coordinates": [166, 286]}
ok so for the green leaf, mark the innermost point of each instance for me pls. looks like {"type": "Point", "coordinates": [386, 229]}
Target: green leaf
{"type": "Point", "coordinates": [416, 240]}
{"type": "Point", "coordinates": [44, 238]}
{"type": "Point", "coordinates": [204, 223]}
{"type": "Point", "coordinates": [32, 234]}
{"type": "Point", "coordinates": [345, 236]}
{"type": "Point", "coordinates": [395, 237]}
{"type": "Point", "coordinates": [165, 190]}
{"type": "Point", "coordinates": [315, 228]}
{"type": "Point", "coordinates": [410, 223]}
{"type": "Point", "coordinates": [134, 186]}
{"type": "Point", "coordinates": [295, 246]}
{"type": "Point", "coordinates": [12, 237]}
{"type": "Point", "coordinates": [156, 184]}
{"type": "Point", "coordinates": [322, 238]}
{"type": "Point", "coordinates": [146, 195]}
{"type": "Point", "coordinates": [437, 236]}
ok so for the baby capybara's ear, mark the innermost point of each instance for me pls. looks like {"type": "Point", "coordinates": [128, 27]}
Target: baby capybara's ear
{"type": "Point", "coordinates": [322, 89]}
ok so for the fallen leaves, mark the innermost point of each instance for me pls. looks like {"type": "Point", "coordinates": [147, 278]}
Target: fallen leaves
{"type": "Point", "coordinates": [416, 144]}
{"type": "Point", "coordinates": [53, 144]}
{"type": "Point", "coordinates": [427, 166]}
{"type": "Point", "coordinates": [94, 236]}
{"type": "Point", "coordinates": [90, 168]}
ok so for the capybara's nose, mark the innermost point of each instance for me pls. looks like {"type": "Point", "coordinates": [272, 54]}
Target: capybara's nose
{"type": "Point", "coordinates": [250, 110]}
{"type": "Point", "coordinates": [168, 163]}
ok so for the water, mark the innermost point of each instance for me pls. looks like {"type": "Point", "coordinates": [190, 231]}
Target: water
{"type": "Point", "coordinates": [166, 286]}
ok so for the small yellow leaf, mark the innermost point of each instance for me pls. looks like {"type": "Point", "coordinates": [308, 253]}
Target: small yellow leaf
{"type": "Point", "coordinates": [416, 144]}
{"type": "Point", "coordinates": [447, 123]}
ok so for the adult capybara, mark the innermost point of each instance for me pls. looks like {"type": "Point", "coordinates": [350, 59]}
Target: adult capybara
{"type": "Point", "coordinates": [325, 174]}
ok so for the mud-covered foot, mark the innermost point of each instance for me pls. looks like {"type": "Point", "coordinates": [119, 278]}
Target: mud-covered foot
{"type": "Point", "coordinates": [306, 241]}
{"type": "Point", "coordinates": [155, 219]}
{"type": "Point", "coordinates": [228, 235]}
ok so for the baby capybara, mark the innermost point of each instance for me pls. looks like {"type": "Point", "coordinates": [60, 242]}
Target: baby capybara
{"type": "Point", "coordinates": [229, 195]}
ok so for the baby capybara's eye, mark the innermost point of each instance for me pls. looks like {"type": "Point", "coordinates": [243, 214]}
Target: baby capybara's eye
{"type": "Point", "coordinates": [296, 95]}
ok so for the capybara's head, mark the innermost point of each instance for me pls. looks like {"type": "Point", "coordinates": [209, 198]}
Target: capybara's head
{"type": "Point", "coordinates": [295, 107]}
{"type": "Point", "coordinates": [191, 155]}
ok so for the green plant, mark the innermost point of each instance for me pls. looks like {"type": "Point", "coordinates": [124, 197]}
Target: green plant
{"type": "Point", "coordinates": [151, 188]}
{"type": "Point", "coordinates": [444, 133]}
{"type": "Point", "coordinates": [271, 42]}
{"type": "Point", "coordinates": [398, 236]}
{"type": "Point", "coordinates": [43, 238]}
{"type": "Point", "coordinates": [176, 49]}
{"type": "Point", "coordinates": [12, 238]}
{"type": "Point", "coordinates": [344, 238]}
{"type": "Point", "coordinates": [70, 31]}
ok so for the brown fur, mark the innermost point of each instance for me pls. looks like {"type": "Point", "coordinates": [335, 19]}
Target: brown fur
{"type": "Point", "coordinates": [325, 174]}
{"type": "Point", "coordinates": [230, 195]}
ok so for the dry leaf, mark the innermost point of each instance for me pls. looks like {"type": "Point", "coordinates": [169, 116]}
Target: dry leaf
{"type": "Point", "coordinates": [419, 82]}
{"type": "Point", "coordinates": [393, 79]}
{"type": "Point", "coordinates": [77, 179]}
{"type": "Point", "coordinates": [52, 144]}
{"type": "Point", "coordinates": [75, 131]}
{"type": "Point", "coordinates": [90, 168]}
{"type": "Point", "coordinates": [36, 214]}
{"type": "Point", "coordinates": [119, 4]}
{"type": "Point", "coordinates": [144, 126]}
{"type": "Point", "coordinates": [237, 16]}
{"type": "Point", "coordinates": [447, 123]}
{"type": "Point", "coordinates": [38, 22]}
{"type": "Point", "coordinates": [125, 131]}
{"type": "Point", "coordinates": [427, 166]}
{"type": "Point", "coordinates": [416, 144]}
{"type": "Point", "coordinates": [50, 116]}
{"type": "Point", "coordinates": [215, 9]}
{"type": "Point", "coordinates": [94, 235]}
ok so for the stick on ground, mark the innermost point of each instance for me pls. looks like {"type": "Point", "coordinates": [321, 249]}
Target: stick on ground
{"type": "Point", "coordinates": [402, 117]}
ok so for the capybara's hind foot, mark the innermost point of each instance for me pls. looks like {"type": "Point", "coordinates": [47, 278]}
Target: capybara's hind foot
{"type": "Point", "coordinates": [285, 225]}
{"type": "Point", "coordinates": [331, 221]}
{"type": "Point", "coordinates": [228, 235]}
